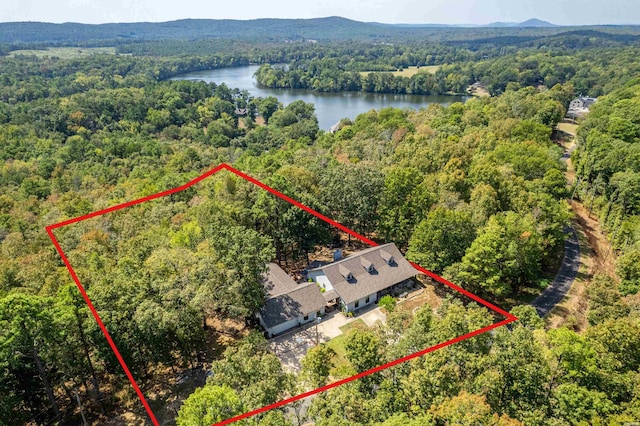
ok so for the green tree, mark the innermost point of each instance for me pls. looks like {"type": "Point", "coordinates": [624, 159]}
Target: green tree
{"type": "Point", "coordinates": [517, 375]}
{"type": "Point", "coordinates": [317, 364]}
{"type": "Point", "coordinates": [506, 254]}
{"type": "Point", "coordinates": [253, 372]}
{"type": "Point", "coordinates": [441, 239]}
{"type": "Point", "coordinates": [402, 205]}
{"type": "Point", "coordinates": [579, 404]}
{"type": "Point", "coordinates": [528, 316]}
{"type": "Point", "coordinates": [267, 106]}
{"type": "Point", "coordinates": [387, 302]}
{"type": "Point", "coordinates": [209, 405]}
{"type": "Point", "coordinates": [604, 300]}
{"type": "Point", "coordinates": [628, 269]}
{"type": "Point", "coordinates": [26, 335]}
{"type": "Point", "coordinates": [362, 349]}
{"type": "Point", "coordinates": [351, 194]}
{"type": "Point", "coordinates": [469, 409]}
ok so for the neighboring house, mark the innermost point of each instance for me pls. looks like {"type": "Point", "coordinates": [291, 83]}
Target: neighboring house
{"type": "Point", "coordinates": [288, 303]}
{"type": "Point", "coordinates": [581, 103]}
{"type": "Point", "coordinates": [241, 111]}
{"type": "Point", "coordinates": [362, 278]}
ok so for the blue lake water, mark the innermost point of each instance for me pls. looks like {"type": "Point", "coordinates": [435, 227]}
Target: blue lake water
{"type": "Point", "coordinates": [330, 107]}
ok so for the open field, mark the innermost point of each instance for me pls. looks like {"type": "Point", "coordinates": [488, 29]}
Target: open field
{"type": "Point", "coordinates": [410, 71]}
{"type": "Point", "coordinates": [567, 127]}
{"type": "Point", "coordinates": [479, 92]}
{"type": "Point", "coordinates": [66, 52]}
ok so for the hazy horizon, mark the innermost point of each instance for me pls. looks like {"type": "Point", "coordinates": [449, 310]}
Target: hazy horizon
{"type": "Point", "coordinates": [456, 12]}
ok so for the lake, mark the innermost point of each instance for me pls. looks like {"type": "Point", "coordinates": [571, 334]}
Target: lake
{"type": "Point", "coordinates": [330, 107]}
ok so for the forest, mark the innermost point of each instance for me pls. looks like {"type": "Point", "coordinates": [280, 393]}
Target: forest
{"type": "Point", "coordinates": [330, 29]}
{"type": "Point", "coordinates": [476, 192]}
{"type": "Point", "coordinates": [589, 71]}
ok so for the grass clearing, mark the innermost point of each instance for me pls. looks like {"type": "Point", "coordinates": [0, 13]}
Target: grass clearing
{"type": "Point", "coordinates": [409, 71]}
{"type": "Point", "coordinates": [353, 324]}
{"type": "Point", "coordinates": [479, 92]}
{"type": "Point", "coordinates": [65, 52]}
{"type": "Point", "coordinates": [340, 361]}
{"type": "Point", "coordinates": [568, 128]}
{"type": "Point", "coordinates": [426, 296]}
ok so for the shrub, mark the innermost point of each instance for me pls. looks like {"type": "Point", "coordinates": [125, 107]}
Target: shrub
{"type": "Point", "coordinates": [387, 302]}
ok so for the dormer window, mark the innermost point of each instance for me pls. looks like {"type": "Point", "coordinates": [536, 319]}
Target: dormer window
{"type": "Point", "coordinates": [388, 257]}
{"type": "Point", "coordinates": [346, 273]}
{"type": "Point", "coordinates": [367, 265]}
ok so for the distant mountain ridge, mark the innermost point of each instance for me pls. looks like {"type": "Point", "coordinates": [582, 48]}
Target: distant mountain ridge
{"type": "Point", "coordinates": [537, 23]}
{"type": "Point", "coordinates": [529, 23]}
{"type": "Point", "coordinates": [332, 28]}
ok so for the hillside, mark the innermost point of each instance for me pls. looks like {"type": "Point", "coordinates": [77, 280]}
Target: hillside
{"type": "Point", "coordinates": [321, 29]}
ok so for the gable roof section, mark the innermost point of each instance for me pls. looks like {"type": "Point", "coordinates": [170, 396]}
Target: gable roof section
{"type": "Point", "coordinates": [278, 282]}
{"type": "Point", "coordinates": [389, 268]}
{"type": "Point", "coordinates": [288, 300]}
{"type": "Point", "coordinates": [289, 306]}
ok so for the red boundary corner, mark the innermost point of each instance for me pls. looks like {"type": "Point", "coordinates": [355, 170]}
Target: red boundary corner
{"type": "Point", "coordinates": [50, 229]}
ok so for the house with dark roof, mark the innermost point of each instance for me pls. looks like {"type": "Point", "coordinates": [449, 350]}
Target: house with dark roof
{"type": "Point", "coordinates": [288, 303]}
{"type": "Point", "coordinates": [350, 283]}
{"type": "Point", "coordinates": [362, 278]}
{"type": "Point", "coordinates": [581, 103]}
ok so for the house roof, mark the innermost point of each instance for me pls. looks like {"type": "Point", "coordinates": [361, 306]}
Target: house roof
{"type": "Point", "coordinates": [288, 300]}
{"type": "Point", "coordinates": [278, 282]}
{"type": "Point", "coordinates": [388, 267]}
{"type": "Point", "coordinates": [330, 295]}
{"type": "Point", "coordinates": [585, 100]}
{"type": "Point", "coordinates": [285, 307]}
{"type": "Point", "coordinates": [316, 264]}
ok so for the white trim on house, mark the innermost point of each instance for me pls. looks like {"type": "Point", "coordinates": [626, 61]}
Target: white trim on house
{"type": "Point", "coordinates": [288, 325]}
{"type": "Point", "coordinates": [365, 301]}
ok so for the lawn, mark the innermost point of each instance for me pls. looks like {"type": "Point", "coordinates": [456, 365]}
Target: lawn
{"type": "Point", "coordinates": [410, 71]}
{"type": "Point", "coordinates": [337, 344]}
{"type": "Point", "coordinates": [568, 128]}
{"type": "Point", "coordinates": [66, 52]}
{"type": "Point", "coordinates": [353, 324]}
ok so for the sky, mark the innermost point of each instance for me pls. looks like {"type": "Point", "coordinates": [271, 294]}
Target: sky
{"type": "Point", "coordinates": [562, 12]}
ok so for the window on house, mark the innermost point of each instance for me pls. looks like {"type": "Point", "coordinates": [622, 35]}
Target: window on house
{"type": "Point", "coordinates": [367, 301]}
{"type": "Point", "coordinates": [357, 303]}
{"type": "Point", "coordinates": [306, 317]}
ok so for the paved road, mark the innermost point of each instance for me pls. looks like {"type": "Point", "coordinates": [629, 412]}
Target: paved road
{"type": "Point", "coordinates": [561, 284]}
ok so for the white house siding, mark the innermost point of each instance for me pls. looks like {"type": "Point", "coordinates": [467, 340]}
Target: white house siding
{"type": "Point", "coordinates": [287, 325]}
{"type": "Point", "coordinates": [362, 302]}
{"type": "Point", "coordinates": [311, 317]}
{"type": "Point", "coordinates": [576, 104]}
{"type": "Point", "coordinates": [282, 327]}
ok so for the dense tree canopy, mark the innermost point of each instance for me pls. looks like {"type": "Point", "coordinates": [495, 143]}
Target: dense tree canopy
{"type": "Point", "coordinates": [475, 191]}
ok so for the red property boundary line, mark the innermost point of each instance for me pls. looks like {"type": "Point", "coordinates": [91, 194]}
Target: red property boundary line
{"type": "Point", "coordinates": [509, 318]}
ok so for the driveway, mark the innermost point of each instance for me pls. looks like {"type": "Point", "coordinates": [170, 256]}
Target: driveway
{"type": "Point", "coordinates": [373, 316]}
{"type": "Point", "coordinates": [561, 284]}
{"type": "Point", "coordinates": [292, 346]}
